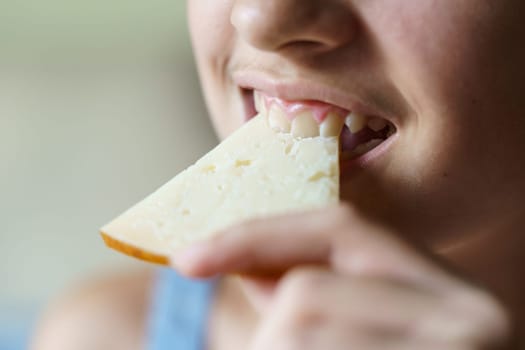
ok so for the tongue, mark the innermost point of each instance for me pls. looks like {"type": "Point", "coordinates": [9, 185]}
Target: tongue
{"type": "Point", "coordinates": [350, 141]}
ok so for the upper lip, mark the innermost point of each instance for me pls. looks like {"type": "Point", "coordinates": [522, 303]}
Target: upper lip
{"type": "Point", "coordinates": [296, 89]}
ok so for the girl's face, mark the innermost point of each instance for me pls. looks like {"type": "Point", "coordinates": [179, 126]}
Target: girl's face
{"type": "Point", "coordinates": [447, 74]}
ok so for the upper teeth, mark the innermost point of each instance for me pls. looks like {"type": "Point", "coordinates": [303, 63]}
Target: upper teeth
{"type": "Point", "coordinates": [278, 120]}
{"type": "Point", "coordinates": [331, 126]}
{"type": "Point", "coordinates": [260, 106]}
{"type": "Point", "coordinates": [355, 122]}
{"type": "Point", "coordinates": [304, 124]}
{"type": "Point", "coordinates": [377, 124]}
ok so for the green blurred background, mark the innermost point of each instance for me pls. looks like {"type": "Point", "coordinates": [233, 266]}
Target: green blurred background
{"type": "Point", "coordinates": [99, 105]}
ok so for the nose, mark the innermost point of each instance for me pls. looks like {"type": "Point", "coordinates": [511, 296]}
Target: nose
{"type": "Point", "coordinates": [278, 25]}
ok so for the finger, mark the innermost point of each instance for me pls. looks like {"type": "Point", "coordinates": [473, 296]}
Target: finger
{"type": "Point", "coordinates": [339, 337]}
{"type": "Point", "coordinates": [321, 309]}
{"type": "Point", "coordinates": [386, 307]}
{"type": "Point", "coordinates": [337, 237]}
{"type": "Point", "coordinates": [309, 296]}
{"type": "Point", "coordinates": [262, 246]}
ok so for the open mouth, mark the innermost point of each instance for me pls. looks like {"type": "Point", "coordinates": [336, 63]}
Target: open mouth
{"type": "Point", "coordinates": [358, 134]}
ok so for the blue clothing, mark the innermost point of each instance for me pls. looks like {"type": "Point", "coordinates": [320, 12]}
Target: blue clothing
{"type": "Point", "coordinates": [179, 313]}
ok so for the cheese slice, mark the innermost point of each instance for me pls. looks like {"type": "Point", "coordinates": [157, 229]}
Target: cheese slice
{"type": "Point", "coordinates": [255, 172]}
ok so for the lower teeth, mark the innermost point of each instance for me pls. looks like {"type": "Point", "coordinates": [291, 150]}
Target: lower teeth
{"type": "Point", "coordinates": [361, 149]}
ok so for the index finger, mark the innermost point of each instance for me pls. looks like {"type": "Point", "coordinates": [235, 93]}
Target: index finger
{"type": "Point", "coordinates": [335, 236]}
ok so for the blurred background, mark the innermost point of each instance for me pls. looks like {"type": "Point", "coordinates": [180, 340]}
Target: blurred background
{"type": "Point", "coordinates": [99, 105]}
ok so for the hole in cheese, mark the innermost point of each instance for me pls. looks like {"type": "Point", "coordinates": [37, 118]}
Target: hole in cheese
{"type": "Point", "coordinates": [240, 163]}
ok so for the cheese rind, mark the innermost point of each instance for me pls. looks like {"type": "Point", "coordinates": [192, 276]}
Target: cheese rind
{"type": "Point", "coordinates": [255, 172]}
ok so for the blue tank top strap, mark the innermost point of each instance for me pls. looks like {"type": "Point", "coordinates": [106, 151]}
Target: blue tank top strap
{"type": "Point", "coordinates": [179, 312]}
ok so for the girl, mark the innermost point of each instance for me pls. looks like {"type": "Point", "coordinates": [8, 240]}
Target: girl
{"type": "Point", "coordinates": [426, 252]}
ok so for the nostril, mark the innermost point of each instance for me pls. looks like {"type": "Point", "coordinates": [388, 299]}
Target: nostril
{"type": "Point", "coordinates": [306, 45]}
{"type": "Point", "coordinates": [294, 25]}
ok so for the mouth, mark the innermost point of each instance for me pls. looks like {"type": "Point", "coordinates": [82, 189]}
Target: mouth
{"type": "Point", "coordinates": [361, 136]}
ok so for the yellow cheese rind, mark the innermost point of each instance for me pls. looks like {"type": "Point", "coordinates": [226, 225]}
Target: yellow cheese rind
{"type": "Point", "coordinates": [255, 172]}
{"type": "Point", "coordinates": [133, 251]}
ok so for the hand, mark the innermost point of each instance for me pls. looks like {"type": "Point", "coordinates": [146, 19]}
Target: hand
{"type": "Point", "coordinates": [368, 290]}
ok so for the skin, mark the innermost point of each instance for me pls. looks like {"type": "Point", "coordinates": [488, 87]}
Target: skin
{"type": "Point", "coordinates": [427, 248]}
{"type": "Point", "coordinates": [427, 251]}
{"type": "Point", "coordinates": [109, 312]}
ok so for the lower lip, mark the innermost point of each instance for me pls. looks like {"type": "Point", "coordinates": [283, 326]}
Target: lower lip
{"type": "Point", "coordinates": [351, 166]}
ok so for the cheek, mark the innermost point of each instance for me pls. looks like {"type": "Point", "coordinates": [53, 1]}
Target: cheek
{"type": "Point", "coordinates": [454, 58]}
{"type": "Point", "coordinates": [453, 62]}
{"type": "Point", "coordinates": [210, 26]}
{"type": "Point", "coordinates": [458, 67]}
{"type": "Point", "coordinates": [213, 40]}
{"type": "Point", "coordinates": [461, 64]}
{"type": "Point", "coordinates": [428, 49]}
